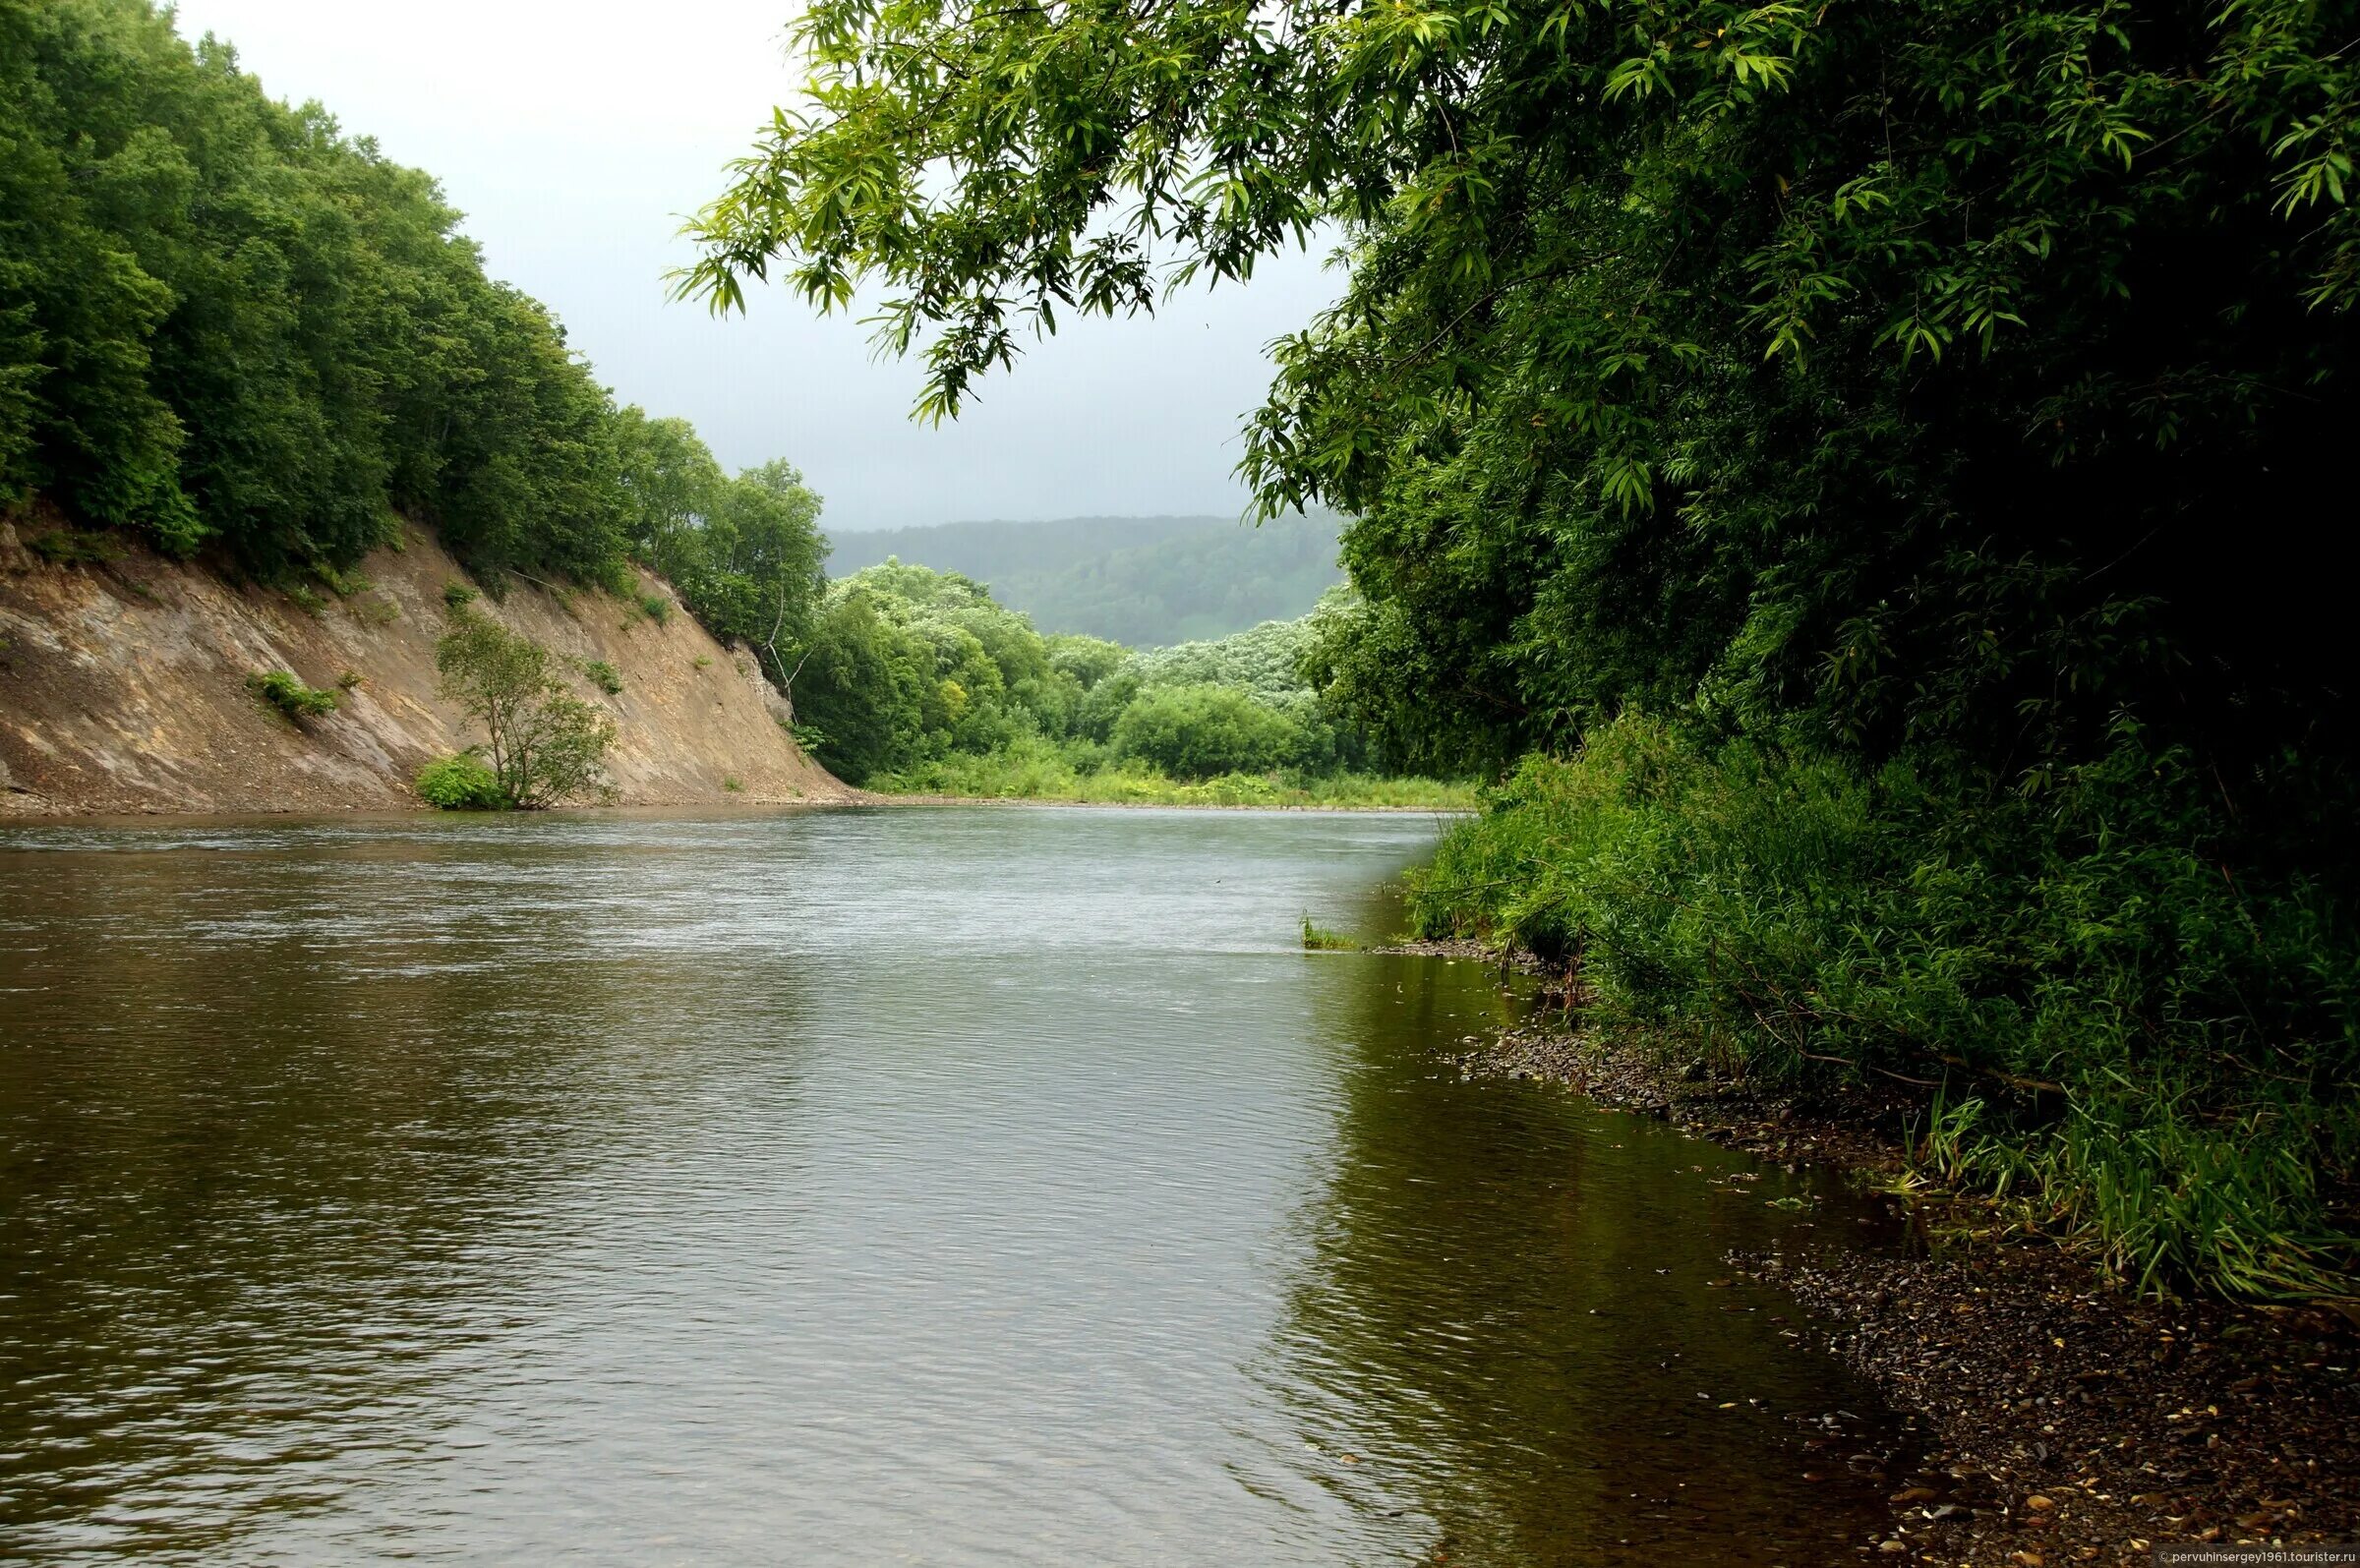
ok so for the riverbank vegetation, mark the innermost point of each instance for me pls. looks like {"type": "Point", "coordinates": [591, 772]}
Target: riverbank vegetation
{"type": "Point", "coordinates": [285, 691]}
{"type": "Point", "coordinates": [1144, 582]}
{"type": "Point", "coordinates": [1854, 471]}
{"type": "Point", "coordinates": [234, 330]}
{"type": "Point", "coordinates": [543, 745]}
{"type": "Point", "coordinates": [919, 682]}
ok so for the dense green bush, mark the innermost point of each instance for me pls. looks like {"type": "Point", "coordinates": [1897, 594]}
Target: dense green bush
{"type": "Point", "coordinates": [2157, 1049]}
{"type": "Point", "coordinates": [462, 782]}
{"type": "Point", "coordinates": [1197, 731]}
{"type": "Point", "coordinates": [283, 690]}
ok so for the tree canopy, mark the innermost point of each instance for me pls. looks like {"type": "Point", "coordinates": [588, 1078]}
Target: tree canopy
{"type": "Point", "coordinates": [1887, 369]}
{"type": "Point", "coordinates": [228, 321]}
{"type": "Point", "coordinates": [907, 667]}
{"type": "Point", "coordinates": [746, 553]}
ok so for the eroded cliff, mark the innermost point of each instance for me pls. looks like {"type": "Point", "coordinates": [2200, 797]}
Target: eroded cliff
{"type": "Point", "coordinates": [123, 688]}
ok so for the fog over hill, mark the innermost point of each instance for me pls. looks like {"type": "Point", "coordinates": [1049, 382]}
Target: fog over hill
{"type": "Point", "coordinates": [1145, 581]}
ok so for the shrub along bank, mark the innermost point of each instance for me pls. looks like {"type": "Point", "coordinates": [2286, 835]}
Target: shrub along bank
{"type": "Point", "coordinates": [917, 681]}
{"type": "Point", "coordinates": [2112, 1027]}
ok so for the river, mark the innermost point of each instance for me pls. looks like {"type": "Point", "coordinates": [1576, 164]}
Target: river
{"type": "Point", "coordinates": [959, 1186]}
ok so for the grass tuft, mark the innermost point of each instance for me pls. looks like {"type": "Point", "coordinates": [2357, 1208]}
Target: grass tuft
{"type": "Point", "coordinates": [1319, 939]}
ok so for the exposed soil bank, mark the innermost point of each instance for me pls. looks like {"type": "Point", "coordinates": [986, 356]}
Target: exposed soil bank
{"type": "Point", "coordinates": [123, 690]}
{"type": "Point", "coordinates": [2068, 1422]}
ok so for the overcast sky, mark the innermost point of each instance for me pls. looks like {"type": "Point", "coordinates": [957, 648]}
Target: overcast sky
{"type": "Point", "coordinates": [576, 134]}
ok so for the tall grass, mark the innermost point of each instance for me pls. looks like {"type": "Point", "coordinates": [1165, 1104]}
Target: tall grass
{"type": "Point", "coordinates": [2163, 1048]}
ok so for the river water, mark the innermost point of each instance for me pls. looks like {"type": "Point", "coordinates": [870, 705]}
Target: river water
{"type": "Point", "coordinates": [913, 1186]}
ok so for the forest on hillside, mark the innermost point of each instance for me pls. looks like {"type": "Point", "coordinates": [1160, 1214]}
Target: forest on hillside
{"type": "Point", "coordinates": [229, 330]}
{"type": "Point", "coordinates": [1855, 469]}
{"type": "Point", "coordinates": [1147, 582]}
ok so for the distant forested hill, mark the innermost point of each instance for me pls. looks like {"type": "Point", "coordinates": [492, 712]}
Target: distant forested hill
{"type": "Point", "coordinates": [1144, 581]}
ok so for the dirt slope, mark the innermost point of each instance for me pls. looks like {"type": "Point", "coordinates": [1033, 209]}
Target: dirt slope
{"type": "Point", "coordinates": [123, 689]}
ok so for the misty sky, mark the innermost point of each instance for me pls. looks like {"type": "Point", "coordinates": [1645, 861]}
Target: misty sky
{"type": "Point", "coordinates": [575, 134]}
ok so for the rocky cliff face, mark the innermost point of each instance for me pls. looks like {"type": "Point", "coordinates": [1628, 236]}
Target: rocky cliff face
{"type": "Point", "coordinates": [123, 688]}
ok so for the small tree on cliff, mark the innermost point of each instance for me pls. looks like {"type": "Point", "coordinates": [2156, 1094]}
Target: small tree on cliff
{"type": "Point", "coordinates": [545, 743]}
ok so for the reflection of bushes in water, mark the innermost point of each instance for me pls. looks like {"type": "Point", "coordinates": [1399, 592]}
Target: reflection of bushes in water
{"type": "Point", "coordinates": [1442, 1325]}
{"type": "Point", "coordinates": [2156, 1048]}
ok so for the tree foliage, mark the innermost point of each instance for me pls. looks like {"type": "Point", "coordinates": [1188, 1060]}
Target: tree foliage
{"type": "Point", "coordinates": [1201, 732]}
{"type": "Point", "coordinates": [543, 745]}
{"type": "Point", "coordinates": [746, 553]}
{"type": "Point", "coordinates": [225, 320]}
{"type": "Point", "coordinates": [1887, 367]}
{"type": "Point", "coordinates": [907, 667]}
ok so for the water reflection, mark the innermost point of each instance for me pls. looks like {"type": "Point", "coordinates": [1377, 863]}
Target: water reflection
{"type": "Point", "coordinates": [1513, 1322]}
{"type": "Point", "coordinates": [284, 1139]}
{"type": "Point", "coordinates": [959, 1187]}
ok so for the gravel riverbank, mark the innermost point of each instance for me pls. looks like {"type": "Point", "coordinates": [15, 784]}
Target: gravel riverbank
{"type": "Point", "coordinates": [2066, 1420]}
